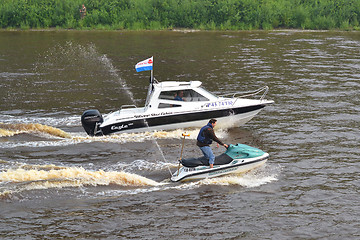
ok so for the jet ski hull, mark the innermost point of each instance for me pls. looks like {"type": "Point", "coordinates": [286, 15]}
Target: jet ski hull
{"type": "Point", "coordinates": [237, 165]}
{"type": "Point", "coordinates": [188, 174]}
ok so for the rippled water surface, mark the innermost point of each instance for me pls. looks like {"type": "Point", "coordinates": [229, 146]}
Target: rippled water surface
{"type": "Point", "coordinates": [56, 182]}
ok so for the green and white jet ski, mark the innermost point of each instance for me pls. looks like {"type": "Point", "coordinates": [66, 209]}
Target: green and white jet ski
{"type": "Point", "coordinates": [237, 159]}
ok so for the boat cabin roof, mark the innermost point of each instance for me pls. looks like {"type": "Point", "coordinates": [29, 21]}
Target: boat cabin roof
{"type": "Point", "coordinates": [177, 94]}
{"type": "Point", "coordinates": [178, 85]}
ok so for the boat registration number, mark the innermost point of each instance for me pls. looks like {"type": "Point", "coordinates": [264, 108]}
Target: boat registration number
{"type": "Point", "coordinates": [220, 103]}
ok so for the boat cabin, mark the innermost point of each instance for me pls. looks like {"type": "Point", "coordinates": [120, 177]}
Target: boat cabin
{"type": "Point", "coordinates": [177, 94]}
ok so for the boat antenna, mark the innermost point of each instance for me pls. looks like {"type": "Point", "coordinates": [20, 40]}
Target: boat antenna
{"type": "Point", "coordinates": [182, 148]}
{"type": "Point", "coordinates": [152, 80]}
{"type": "Point", "coordinates": [151, 87]}
{"type": "Point", "coordinates": [152, 76]}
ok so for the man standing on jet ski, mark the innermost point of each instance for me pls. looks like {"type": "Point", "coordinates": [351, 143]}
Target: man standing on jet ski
{"type": "Point", "coordinates": [205, 138]}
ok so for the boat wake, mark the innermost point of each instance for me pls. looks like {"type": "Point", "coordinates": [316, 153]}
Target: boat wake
{"type": "Point", "coordinates": [255, 178]}
{"type": "Point", "coordinates": [68, 121]}
{"type": "Point", "coordinates": [143, 165]}
{"type": "Point", "coordinates": [143, 136]}
{"type": "Point", "coordinates": [33, 177]}
{"type": "Point", "coordinates": [70, 138]}
{"type": "Point", "coordinates": [11, 129]}
{"type": "Point", "coordinates": [251, 179]}
{"type": "Point", "coordinates": [16, 180]}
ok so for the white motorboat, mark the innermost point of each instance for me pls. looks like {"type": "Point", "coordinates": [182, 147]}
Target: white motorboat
{"type": "Point", "coordinates": [165, 111]}
{"type": "Point", "coordinates": [238, 158]}
{"type": "Point", "coordinates": [172, 105]}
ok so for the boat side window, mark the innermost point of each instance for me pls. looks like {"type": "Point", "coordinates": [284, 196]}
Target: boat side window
{"type": "Point", "coordinates": [183, 95]}
{"type": "Point", "coordinates": [196, 97]}
{"type": "Point", "coordinates": [168, 95]}
{"type": "Point", "coordinates": [166, 105]}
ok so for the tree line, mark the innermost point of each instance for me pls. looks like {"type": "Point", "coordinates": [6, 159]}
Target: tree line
{"type": "Point", "coordinates": [193, 14]}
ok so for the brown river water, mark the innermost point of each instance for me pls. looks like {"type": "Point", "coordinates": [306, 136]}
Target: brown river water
{"type": "Point", "coordinates": [58, 183]}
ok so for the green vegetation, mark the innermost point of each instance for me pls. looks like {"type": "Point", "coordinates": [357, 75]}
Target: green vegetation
{"type": "Point", "coordinates": [194, 14]}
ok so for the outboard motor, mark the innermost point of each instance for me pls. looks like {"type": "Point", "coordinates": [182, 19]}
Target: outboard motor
{"type": "Point", "coordinates": [91, 119]}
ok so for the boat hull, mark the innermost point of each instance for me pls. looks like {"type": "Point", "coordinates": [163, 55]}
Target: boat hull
{"type": "Point", "coordinates": [235, 166]}
{"type": "Point", "coordinates": [229, 117]}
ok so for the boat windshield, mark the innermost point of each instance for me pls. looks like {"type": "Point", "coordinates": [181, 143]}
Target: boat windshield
{"type": "Point", "coordinates": [187, 95]}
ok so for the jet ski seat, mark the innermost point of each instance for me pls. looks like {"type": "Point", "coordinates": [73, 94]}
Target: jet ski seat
{"type": "Point", "coordinates": [202, 161]}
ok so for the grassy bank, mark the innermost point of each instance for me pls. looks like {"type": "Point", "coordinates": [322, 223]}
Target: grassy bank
{"type": "Point", "coordinates": [194, 14]}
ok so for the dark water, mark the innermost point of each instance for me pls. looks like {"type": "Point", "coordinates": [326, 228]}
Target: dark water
{"type": "Point", "coordinates": [55, 182]}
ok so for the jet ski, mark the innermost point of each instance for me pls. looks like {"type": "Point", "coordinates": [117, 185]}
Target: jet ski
{"type": "Point", "coordinates": [237, 158]}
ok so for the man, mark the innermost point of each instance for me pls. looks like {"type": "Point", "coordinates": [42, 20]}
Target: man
{"type": "Point", "coordinates": [82, 11]}
{"type": "Point", "coordinates": [179, 96]}
{"type": "Point", "coordinates": [205, 138]}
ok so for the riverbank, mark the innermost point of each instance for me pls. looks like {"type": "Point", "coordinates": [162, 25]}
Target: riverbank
{"type": "Point", "coordinates": [168, 14]}
{"type": "Point", "coordinates": [167, 30]}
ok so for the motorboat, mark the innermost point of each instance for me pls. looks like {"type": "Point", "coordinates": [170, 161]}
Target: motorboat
{"type": "Point", "coordinates": [173, 105]}
{"type": "Point", "coordinates": [238, 158]}
{"type": "Point", "coordinates": [165, 110]}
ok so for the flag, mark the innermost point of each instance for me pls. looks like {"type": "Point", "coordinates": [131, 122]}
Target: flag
{"type": "Point", "coordinates": [145, 65]}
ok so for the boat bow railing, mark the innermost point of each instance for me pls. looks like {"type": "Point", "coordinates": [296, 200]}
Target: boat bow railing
{"type": "Point", "coordinates": [264, 89]}
{"type": "Point", "coordinates": [127, 106]}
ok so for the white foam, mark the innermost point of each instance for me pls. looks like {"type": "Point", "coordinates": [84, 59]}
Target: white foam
{"type": "Point", "coordinates": [255, 178]}
{"type": "Point", "coordinates": [146, 165]}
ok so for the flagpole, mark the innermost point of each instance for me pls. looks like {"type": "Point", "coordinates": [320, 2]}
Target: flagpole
{"type": "Point", "coordinates": [152, 72]}
{"type": "Point", "coordinates": [147, 65]}
{"type": "Point", "coordinates": [151, 87]}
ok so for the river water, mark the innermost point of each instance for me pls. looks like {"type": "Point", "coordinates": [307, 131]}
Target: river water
{"type": "Point", "coordinates": [58, 183]}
